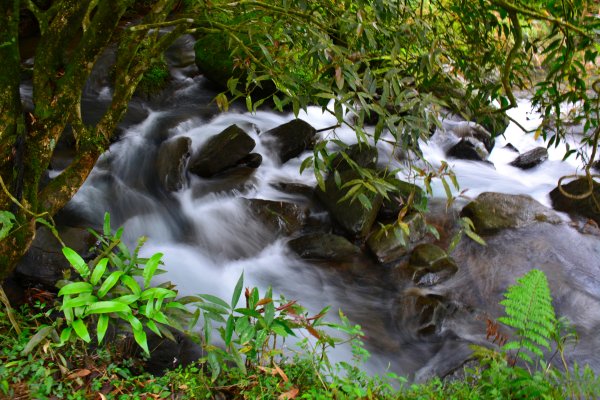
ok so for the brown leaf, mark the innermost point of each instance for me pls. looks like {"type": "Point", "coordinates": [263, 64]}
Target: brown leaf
{"type": "Point", "coordinates": [290, 394]}
{"type": "Point", "coordinates": [313, 332]}
{"type": "Point", "coordinates": [264, 301]}
{"type": "Point", "coordinates": [79, 374]}
{"type": "Point", "coordinates": [281, 373]}
{"type": "Point", "coordinates": [267, 370]}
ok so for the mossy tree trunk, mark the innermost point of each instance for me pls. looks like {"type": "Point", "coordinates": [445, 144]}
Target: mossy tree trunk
{"type": "Point", "coordinates": [73, 35]}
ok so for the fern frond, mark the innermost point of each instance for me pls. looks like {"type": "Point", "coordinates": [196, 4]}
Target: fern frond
{"type": "Point", "coordinates": [528, 308]}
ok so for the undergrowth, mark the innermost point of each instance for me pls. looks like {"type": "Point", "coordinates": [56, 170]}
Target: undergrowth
{"type": "Point", "coordinates": [56, 347]}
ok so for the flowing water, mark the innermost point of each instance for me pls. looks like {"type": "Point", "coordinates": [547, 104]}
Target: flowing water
{"type": "Point", "coordinates": [209, 238]}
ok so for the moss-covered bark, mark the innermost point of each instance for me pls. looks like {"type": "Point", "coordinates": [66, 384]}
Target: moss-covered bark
{"type": "Point", "coordinates": [74, 33]}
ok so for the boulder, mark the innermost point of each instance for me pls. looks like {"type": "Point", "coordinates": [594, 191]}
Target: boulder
{"type": "Point", "coordinates": [586, 207]}
{"type": "Point", "coordinates": [232, 181]}
{"type": "Point", "coordinates": [392, 244]}
{"type": "Point", "coordinates": [252, 160]}
{"type": "Point", "coordinates": [222, 151]}
{"type": "Point", "coordinates": [468, 129]}
{"type": "Point", "coordinates": [171, 162]}
{"type": "Point", "coordinates": [531, 158]}
{"type": "Point", "coordinates": [44, 262]}
{"type": "Point", "coordinates": [362, 154]}
{"type": "Point", "coordinates": [278, 216]}
{"type": "Point", "coordinates": [492, 212]}
{"type": "Point", "coordinates": [468, 149]}
{"type": "Point", "coordinates": [290, 139]}
{"type": "Point", "coordinates": [350, 215]}
{"type": "Point", "coordinates": [431, 265]}
{"type": "Point", "coordinates": [324, 246]}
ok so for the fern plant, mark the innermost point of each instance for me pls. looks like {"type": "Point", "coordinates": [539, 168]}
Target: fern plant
{"type": "Point", "coordinates": [528, 308]}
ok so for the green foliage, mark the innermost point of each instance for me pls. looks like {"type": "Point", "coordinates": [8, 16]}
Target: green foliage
{"type": "Point", "coordinates": [155, 78]}
{"type": "Point", "coordinates": [106, 292]}
{"type": "Point", "coordinates": [529, 310]}
{"type": "Point", "coordinates": [7, 221]}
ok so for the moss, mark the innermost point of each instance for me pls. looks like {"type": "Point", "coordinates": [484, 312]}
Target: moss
{"type": "Point", "coordinates": [155, 79]}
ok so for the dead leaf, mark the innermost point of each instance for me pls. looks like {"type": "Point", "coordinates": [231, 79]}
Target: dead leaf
{"type": "Point", "coordinates": [79, 374]}
{"type": "Point", "coordinates": [281, 373]}
{"type": "Point", "coordinates": [290, 394]}
{"type": "Point", "coordinates": [264, 301]}
{"type": "Point", "coordinates": [102, 397]}
{"type": "Point", "coordinates": [267, 370]}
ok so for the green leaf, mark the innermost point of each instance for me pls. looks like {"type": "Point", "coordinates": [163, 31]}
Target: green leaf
{"type": "Point", "coordinates": [110, 306]}
{"type": "Point", "coordinates": [140, 337]}
{"type": "Point", "coordinates": [150, 268]}
{"type": "Point", "coordinates": [475, 237]}
{"type": "Point", "coordinates": [99, 270]}
{"type": "Point", "coordinates": [101, 327]}
{"type": "Point", "coordinates": [7, 220]}
{"type": "Point", "coordinates": [83, 299]}
{"type": "Point", "coordinates": [76, 261]}
{"type": "Point", "coordinates": [106, 227]}
{"type": "Point", "coordinates": [229, 327]}
{"type": "Point", "coordinates": [65, 335]}
{"type": "Point", "coordinates": [132, 284]}
{"type": "Point", "coordinates": [81, 330]}
{"type": "Point", "coordinates": [76, 288]}
{"type": "Point", "coordinates": [237, 292]}
{"type": "Point", "coordinates": [214, 299]}
{"type": "Point", "coordinates": [109, 283]}
{"type": "Point", "coordinates": [152, 326]}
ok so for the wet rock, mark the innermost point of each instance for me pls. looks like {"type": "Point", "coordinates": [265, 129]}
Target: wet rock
{"type": "Point", "coordinates": [252, 160]}
{"type": "Point", "coordinates": [491, 212]}
{"type": "Point", "coordinates": [171, 162]}
{"type": "Point", "coordinates": [290, 139]}
{"type": "Point", "coordinates": [44, 262]}
{"type": "Point", "coordinates": [232, 181]}
{"type": "Point", "coordinates": [278, 216]}
{"type": "Point", "coordinates": [362, 154]}
{"type": "Point", "coordinates": [468, 149]}
{"type": "Point", "coordinates": [351, 216]}
{"type": "Point", "coordinates": [580, 207]}
{"type": "Point", "coordinates": [391, 207]}
{"type": "Point", "coordinates": [422, 311]}
{"type": "Point", "coordinates": [221, 152]}
{"type": "Point", "coordinates": [324, 246]}
{"type": "Point", "coordinates": [468, 129]}
{"type": "Point", "coordinates": [530, 159]}
{"type": "Point", "coordinates": [431, 265]}
{"type": "Point", "coordinates": [294, 188]}
{"type": "Point", "coordinates": [389, 246]}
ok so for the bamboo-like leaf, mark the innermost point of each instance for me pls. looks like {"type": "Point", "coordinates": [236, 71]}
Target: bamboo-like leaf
{"type": "Point", "coordinates": [132, 284]}
{"type": "Point", "coordinates": [101, 327]}
{"type": "Point", "coordinates": [110, 306]}
{"type": "Point", "coordinates": [214, 299]}
{"type": "Point", "coordinates": [41, 334]}
{"type": "Point", "coordinates": [81, 330]}
{"type": "Point", "coordinates": [76, 261]}
{"type": "Point", "coordinates": [99, 270]}
{"type": "Point", "coordinates": [109, 283]}
{"type": "Point", "coordinates": [76, 288]}
{"type": "Point", "coordinates": [140, 337]}
{"type": "Point", "coordinates": [150, 268]}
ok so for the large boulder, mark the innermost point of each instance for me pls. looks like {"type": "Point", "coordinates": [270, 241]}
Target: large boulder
{"type": "Point", "coordinates": [586, 207]}
{"type": "Point", "coordinates": [391, 244]}
{"type": "Point", "coordinates": [290, 139]}
{"type": "Point", "coordinates": [171, 162]}
{"type": "Point", "coordinates": [222, 151]}
{"type": "Point", "coordinates": [531, 158]}
{"type": "Point", "coordinates": [430, 265]}
{"type": "Point", "coordinates": [352, 216]}
{"type": "Point", "coordinates": [324, 246]}
{"type": "Point", "coordinates": [492, 212]}
{"type": "Point", "coordinates": [468, 129]}
{"type": "Point", "coordinates": [44, 262]}
{"type": "Point", "coordinates": [278, 216]}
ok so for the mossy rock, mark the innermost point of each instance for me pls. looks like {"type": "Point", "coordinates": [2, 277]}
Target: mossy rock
{"type": "Point", "coordinates": [431, 265]}
{"type": "Point", "coordinates": [387, 246]}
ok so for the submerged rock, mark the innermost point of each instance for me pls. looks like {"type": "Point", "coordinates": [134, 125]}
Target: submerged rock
{"type": "Point", "coordinates": [491, 212]}
{"type": "Point", "coordinates": [222, 151]}
{"type": "Point", "coordinates": [587, 207]}
{"type": "Point", "coordinates": [351, 216]}
{"type": "Point", "coordinates": [324, 246]}
{"type": "Point", "coordinates": [530, 159]}
{"type": "Point", "coordinates": [431, 265]}
{"type": "Point", "coordinates": [278, 216]}
{"type": "Point", "coordinates": [468, 129]}
{"type": "Point", "coordinates": [171, 162]}
{"type": "Point", "coordinates": [290, 139]}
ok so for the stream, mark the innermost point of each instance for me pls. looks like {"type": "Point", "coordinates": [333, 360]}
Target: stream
{"type": "Point", "coordinates": [209, 238]}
